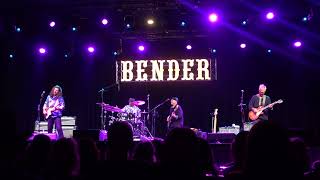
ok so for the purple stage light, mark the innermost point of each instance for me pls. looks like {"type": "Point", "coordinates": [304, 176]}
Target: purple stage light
{"type": "Point", "coordinates": [243, 45]}
{"type": "Point", "coordinates": [91, 49]}
{"type": "Point", "coordinates": [213, 17]}
{"type": "Point", "coordinates": [104, 21]}
{"type": "Point", "coordinates": [189, 47]}
{"type": "Point", "coordinates": [42, 50]}
{"type": "Point", "coordinates": [297, 44]}
{"type": "Point", "coordinates": [141, 48]}
{"type": "Point", "coordinates": [52, 24]}
{"type": "Point", "coordinates": [270, 15]}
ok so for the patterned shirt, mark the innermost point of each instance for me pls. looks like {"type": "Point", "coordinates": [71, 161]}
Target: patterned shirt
{"type": "Point", "coordinates": [57, 102]}
{"type": "Point", "coordinates": [133, 110]}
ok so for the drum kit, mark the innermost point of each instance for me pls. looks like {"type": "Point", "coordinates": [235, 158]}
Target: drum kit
{"type": "Point", "coordinates": [136, 121]}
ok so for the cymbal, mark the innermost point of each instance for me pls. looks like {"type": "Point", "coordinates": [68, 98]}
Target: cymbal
{"type": "Point", "coordinates": [113, 109]}
{"type": "Point", "coordinates": [102, 104]}
{"type": "Point", "coordinates": [138, 103]}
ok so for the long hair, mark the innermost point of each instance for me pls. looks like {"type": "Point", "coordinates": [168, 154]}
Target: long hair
{"type": "Point", "coordinates": [60, 91]}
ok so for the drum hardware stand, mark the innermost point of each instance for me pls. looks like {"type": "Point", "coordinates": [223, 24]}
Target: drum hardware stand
{"type": "Point", "coordinates": [145, 130]}
{"type": "Point", "coordinates": [103, 112]}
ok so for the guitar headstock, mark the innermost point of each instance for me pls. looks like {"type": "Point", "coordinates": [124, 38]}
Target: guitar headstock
{"type": "Point", "coordinates": [215, 112]}
{"type": "Point", "coordinates": [280, 101]}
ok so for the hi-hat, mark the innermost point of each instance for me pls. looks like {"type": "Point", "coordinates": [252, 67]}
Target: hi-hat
{"type": "Point", "coordinates": [102, 104]}
{"type": "Point", "coordinates": [138, 103]}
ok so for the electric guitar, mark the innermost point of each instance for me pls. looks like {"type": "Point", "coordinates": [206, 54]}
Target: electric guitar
{"type": "Point", "coordinates": [48, 111]}
{"type": "Point", "coordinates": [255, 115]}
{"type": "Point", "coordinates": [214, 128]}
{"type": "Point", "coordinates": [169, 118]}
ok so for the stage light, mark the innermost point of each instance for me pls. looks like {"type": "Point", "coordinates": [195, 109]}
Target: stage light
{"type": "Point", "coordinates": [183, 23]}
{"type": "Point", "coordinates": [10, 56]}
{"type": "Point", "coordinates": [128, 26]}
{"type": "Point", "coordinates": [150, 21]}
{"type": "Point", "coordinates": [141, 48]}
{"type": "Point", "coordinates": [66, 55]}
{"type": "Point", "coordinates": [214, 50]}
{"type": "Point", "coordinates": [42, 50]}
{"type": "Point", "coordinates": [305, 19]}
{"type": "Point", "coordinates": [243, 45]}
{"type": "Point", "coordinates": [244, 22]}
{"type": "Point", "coordinates": [213, 17]}
{"type": "Point", "coordinates": [18, 29]}
{"type": "Point", "coordinates": [269, 50]}
{"type": "Point", "coordinates": [189, 47]}
{"type": "Point", "coordinates": [104, 21]}
{"type": "Point", "coordinates": [52, 24]}
{"type": "Point", "coordinates": [115, 53]}
{"type": "Point", "coordinates": [74, 29]}
{"type": "Point", "coordinates": [270, 15]}
{"type": "Point", "coordinates": [91, 49]}
{"type": "Point", "coordinates": [297, 44]}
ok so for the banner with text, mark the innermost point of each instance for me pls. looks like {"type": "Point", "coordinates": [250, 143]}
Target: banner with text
{"type": "Point", "coordinates": [164, 70]}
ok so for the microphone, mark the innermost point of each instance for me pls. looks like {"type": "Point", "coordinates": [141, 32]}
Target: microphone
{"type": "Point", "coordinates": [242, 90]}
{"type": "Point", "coordinates": [42, 94]}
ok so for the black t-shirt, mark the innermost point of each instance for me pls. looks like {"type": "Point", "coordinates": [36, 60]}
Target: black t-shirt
{"type": "Point", "coordinates": [257, 101]}
{"type": "Point", "coordinates": [177, 122]}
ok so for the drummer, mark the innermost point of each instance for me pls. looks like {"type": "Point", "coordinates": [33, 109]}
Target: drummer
{"type": "Point", "coordinates": [131, 110]}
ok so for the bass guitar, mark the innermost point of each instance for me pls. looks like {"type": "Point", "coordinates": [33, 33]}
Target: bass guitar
{"type": "Point", "coordinates": [169, 118]}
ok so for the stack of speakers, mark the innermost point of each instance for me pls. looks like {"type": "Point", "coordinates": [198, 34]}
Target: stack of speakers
{"type": "Point", "coordinates": [68, 125]}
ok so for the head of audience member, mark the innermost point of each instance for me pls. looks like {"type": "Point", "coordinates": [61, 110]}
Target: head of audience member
{"type": "Point", "coordinates": [145, 152]}
{"type": "Point", "coordinates": [37, 152]}
{"type": "Point", "coordinates": [89, 152]}
{"type": "Point", "coordinates": [239, 148]}
{"type": "Point", "coordinates": [65, 158]}
{"type": "Point", "coordinates": [158, 145]}
{"type": "Point", "coordinates": [181, 153]}
{"type": "Point", "coordinates": [298, 155]}
{"type": "Point", "coordinates": [267, 153]}
{"type": "Point", "coordinates": [120, 140]}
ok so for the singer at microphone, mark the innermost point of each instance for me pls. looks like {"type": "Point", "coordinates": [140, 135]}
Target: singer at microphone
{"type": "Point", "coordinates": [175, 118]}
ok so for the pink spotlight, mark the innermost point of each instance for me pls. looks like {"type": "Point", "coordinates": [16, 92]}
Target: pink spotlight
{"type": "Point", "coordinates": [104, 21]}
{"type": "Point", "coordinates": [297, 43]}
{"type": "Point", "coordinates": [141, 48]}
{"type": "Point", "coordinates": [91, 49]}
{"type": "Point", "coordinates": [243, 45]}
{"type": "Point", "coordinates": [42, 50]}
{"type": "Point", "coordinates": [52, 24]}
{"type": "Point", "coordinates": [213, 17]}
{"type": "Point", "coordinates": [189, 47]}
{"type": "Point", "coordinates": [270, 15]}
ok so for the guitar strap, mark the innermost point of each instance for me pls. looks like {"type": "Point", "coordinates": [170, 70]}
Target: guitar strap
{"type": "Point", "coordinates": [264, 100]}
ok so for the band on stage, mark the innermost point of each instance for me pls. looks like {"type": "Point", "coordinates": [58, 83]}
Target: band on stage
{"type": "Point", "coordinates": [259, 109]}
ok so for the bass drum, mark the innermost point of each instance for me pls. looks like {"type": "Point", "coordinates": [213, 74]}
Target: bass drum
{"type": "Point", "coordinates": [122, 117]}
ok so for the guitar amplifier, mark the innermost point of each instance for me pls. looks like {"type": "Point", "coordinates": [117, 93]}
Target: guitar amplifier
{"type": "Point", "coordinates": [68, 125]}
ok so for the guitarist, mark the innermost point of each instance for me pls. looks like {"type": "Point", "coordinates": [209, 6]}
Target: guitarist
{"type": "Point", "coordinates": [260, 100]}
{"type": "Point", "coordinates": [175, 118]}
{"type": "Point", "coordinates": [52, 109]}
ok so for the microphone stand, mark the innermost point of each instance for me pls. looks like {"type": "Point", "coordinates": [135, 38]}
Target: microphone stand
{"type": "Point", "coordinates": [153, 129]}
{"type": "Point", "coordinates": [103, 113]}
{"type": "Point", "coordinates": [148, 109]}
{"type": "Point", "coordinates": [242, 111]}
{"type": "Point", "coordinates": [38, 115]}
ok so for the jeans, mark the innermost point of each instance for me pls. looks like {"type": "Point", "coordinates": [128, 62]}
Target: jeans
{"type": "Point", "coordinates": [57, 122]}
